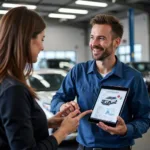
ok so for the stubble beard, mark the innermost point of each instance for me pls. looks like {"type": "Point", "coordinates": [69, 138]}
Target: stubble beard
{"type": "Point", "coordinates": [106, 53]}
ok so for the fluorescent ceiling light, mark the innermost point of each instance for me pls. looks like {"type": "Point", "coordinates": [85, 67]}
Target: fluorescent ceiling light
{"type": "Point", "coordinates": [55, 15]}
{"type": "Point", "coordinates": [9, 5]}
{"type": "Point", "coordinates": [91, 3]}
{"type": "Point", "coordinates": [74, 11]}
{"type": "Point", "coordinates": [3, 11]}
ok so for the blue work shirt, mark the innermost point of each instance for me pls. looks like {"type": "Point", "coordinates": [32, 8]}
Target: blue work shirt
{"type": "Point", "coordinates": [84, 82]}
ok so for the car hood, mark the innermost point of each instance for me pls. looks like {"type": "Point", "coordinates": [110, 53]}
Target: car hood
{"type": "Point", "coordinates": [46, 96]}
{"type": "Point", "coordinates": [44, 101]}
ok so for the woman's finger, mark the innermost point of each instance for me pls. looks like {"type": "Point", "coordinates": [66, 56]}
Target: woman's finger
{"type": "Point", "coordinates": [84, 113]}
{"type": "Point", "coordinates": [74, 113]}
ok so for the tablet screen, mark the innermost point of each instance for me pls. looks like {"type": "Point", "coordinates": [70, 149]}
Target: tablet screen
{"type": "Point", "coordinates": [109, 104]}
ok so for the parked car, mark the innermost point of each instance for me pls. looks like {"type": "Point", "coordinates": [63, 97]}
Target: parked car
{"type": "Point", "coordinates": [109, 100]}
{"type": "Point", "coordinates": [46, 82]}
{"type": "Point", "coordinates": [144, 68]}
{"type": "Point", "coordinates": [65, 64]}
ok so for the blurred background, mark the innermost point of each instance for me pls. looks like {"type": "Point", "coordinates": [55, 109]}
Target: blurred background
{"type": "Point", "coordinates": [67, 38]}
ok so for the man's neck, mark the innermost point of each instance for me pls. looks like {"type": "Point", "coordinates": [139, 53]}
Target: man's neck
{"type": "Point", "coordinates": [104, 67]}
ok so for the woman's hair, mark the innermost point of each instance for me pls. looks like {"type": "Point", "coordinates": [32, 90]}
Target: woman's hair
{"type": "Point", "coordinates": [17, 27]}
{"type": "Point", "coordinates": [117, 27]}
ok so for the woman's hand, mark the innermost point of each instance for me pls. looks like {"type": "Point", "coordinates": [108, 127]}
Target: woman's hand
{"type": "Point", "coordinates": [56, 120]}
{"type": "Point", "coordinates": [69, 124]}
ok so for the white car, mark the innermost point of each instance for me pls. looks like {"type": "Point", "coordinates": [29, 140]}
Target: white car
{"type": "Point", "coordinates": [46, 82]}
{"type": "Point", "coordinates": [109, 100]}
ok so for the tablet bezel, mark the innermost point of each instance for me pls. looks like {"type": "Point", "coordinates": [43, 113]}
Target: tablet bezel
{"type": "Point", "coordinates": [94, 120]}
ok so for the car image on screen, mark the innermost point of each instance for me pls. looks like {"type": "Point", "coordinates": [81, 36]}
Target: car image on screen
{"type": "Point", "coordinates": [109, 100]}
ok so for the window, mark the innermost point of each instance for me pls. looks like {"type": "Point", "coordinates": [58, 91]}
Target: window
{"type": "Point", "coordinates": [55, 54]}
{"type": "Point", "coordinates": [58, 54]}
{"type": "Point", "coordinates": [123, 53]}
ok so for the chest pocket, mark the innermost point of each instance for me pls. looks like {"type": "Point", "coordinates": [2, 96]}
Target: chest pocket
{"type": "Point", "coordinates": [87, 95]}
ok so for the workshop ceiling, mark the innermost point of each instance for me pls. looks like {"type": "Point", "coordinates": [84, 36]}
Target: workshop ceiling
{"type": "Point", "coordinates": [119, 8]}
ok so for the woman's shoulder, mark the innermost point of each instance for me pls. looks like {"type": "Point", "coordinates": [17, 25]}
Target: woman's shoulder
{"type": "Point", "coordinates": [9, 82]}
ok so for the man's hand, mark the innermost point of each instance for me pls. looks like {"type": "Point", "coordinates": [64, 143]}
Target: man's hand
{"type": "Point", "coordinates": [120, 129]}
{"type": "Point", "coordinates": [71, 105]}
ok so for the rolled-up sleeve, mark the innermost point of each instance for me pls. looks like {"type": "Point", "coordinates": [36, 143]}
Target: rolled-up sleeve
{"type": "Point", "coordinates": [66, 92]}
{"type": "Point", "coordinates": [140, 108]}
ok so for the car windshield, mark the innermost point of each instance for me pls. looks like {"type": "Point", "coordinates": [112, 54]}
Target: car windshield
{"type": "Point", "coordinates": [46, 82]}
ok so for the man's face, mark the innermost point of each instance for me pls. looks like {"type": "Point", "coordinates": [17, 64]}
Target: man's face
{"type": "Point", "coordinates": [101, 42]}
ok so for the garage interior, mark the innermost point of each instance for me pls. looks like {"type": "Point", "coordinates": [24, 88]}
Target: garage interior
{"type": "Point", "coordinates": [68, 38]}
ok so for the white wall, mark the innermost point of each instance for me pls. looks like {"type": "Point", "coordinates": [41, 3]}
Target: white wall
{"type": "Point", "coordinates": [62, 37]}
{"type": "Point", "coordinates": [141, 35]}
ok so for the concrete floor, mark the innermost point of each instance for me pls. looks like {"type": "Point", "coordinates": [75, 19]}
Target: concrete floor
{"type": "Point", "coordinates": [143, 143]}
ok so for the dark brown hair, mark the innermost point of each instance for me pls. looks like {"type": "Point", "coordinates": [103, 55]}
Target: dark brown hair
{"type": "Point", "coordinates": [117, 27]}
{"type": "Point", "coordinates": [17, 27]}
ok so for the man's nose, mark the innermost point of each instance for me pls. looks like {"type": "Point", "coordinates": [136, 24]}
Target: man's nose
{"type": "Point", "coordinates": [95, 42]}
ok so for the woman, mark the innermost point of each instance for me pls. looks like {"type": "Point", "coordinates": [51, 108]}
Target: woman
{"type": "Point", "coordinates": [23, 124]}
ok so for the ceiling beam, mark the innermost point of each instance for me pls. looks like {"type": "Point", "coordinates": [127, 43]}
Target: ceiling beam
{"type": "Point", "coordinates": [124, 14]}
{"type": "Point", "coordinates": [130, 3]}
{"type": "Point", "coordinates": [101, 10]}
{"type": "Point", "coordinates": [42, 4]}
{"type": "Point", "coordinates": [136, 1]}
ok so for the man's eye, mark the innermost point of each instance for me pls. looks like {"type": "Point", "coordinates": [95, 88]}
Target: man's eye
{"type": "Point", "coordinates": [101, 38]}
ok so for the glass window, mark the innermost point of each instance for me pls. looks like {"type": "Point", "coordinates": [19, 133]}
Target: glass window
{"type": "Point", "coordinates": [60, 54]}
{"type": "Point", "coordinates": [128, 58]}
{"type": "Point", "coordinates": [49, 54]}
{"type": "Point", "coordinates": [127, 49]}
{"type": "Point", "coordinates": [71, 55]}
{"type": "Point", "coordinates": [137, 48]}
{"type": "Point", "coordinates": [122, 58]}
{"type": "Point", "coordinates": [123, 53]}
{"type": "Point", "coordinates": [54, 54]}
{"type": "Point", "coordinates": [122, 50]}
{"type": "Point", "coordinates": [137, 56]}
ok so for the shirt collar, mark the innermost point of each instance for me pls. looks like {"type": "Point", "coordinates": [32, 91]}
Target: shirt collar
{"type": "Point", "coordinates": [92, 67]}
{"type": "Point", "coordinates": [117, 70]}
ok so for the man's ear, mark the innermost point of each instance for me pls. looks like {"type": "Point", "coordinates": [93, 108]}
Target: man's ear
{"type": "Point", "coordinates": [116, 42]}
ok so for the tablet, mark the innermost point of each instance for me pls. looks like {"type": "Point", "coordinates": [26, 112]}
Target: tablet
{"type": "Point", "coordinates": [109, 105]}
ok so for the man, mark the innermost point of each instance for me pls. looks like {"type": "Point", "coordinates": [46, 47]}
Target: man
{"type": "Point", "coordinates": [85, 80]}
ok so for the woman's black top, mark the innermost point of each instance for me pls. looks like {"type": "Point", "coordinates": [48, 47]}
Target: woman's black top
{"type": "Point", "coordinates": [23, 124]}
